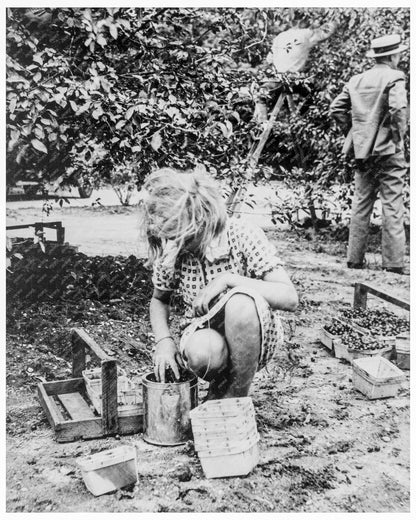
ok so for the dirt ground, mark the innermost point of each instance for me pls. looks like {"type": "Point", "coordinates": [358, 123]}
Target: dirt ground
{"type": "Point", "coordinates": [324, 447]}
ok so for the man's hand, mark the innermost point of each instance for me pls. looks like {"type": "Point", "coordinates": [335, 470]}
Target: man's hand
{"type": "Point", "coordinates": [207, 294]}
{"type": "Point", "coordinates": [167, 356]}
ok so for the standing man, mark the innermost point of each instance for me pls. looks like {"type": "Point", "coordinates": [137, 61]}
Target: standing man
{"type": "Point", "coordinates": [373, 106]}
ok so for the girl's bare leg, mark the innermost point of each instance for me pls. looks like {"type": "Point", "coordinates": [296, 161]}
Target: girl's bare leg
{"type": "Point", "coordinates": [206, 353]}
{"type": "Point", "coordinates": [242, 332]}
{"type": "Point", "coordinates": [228, 363]}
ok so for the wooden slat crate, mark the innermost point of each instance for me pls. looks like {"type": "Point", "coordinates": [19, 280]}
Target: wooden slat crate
{"type": "Point", "coordinates": [361, 291]}
{"type": "Point", "coordinates": [66, 403]}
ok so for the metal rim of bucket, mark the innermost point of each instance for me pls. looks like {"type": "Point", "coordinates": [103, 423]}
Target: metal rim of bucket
{"type": "Point", "coordinates": [168, 444]}
{"type": "Point", "coordinates": [193, 380]}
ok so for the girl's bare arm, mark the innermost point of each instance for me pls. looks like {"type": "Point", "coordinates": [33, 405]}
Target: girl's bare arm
{"type": "Point", "coordinates": [159, 313]}
{"type": "Point", "coordinates": [166, 352]}
{"type": "Point", "coordinates": [275, 287]}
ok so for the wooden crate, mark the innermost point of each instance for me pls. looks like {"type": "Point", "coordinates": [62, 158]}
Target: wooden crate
{"type": "Point", "coordinates": [361, 291]}
{"type": "Point", "coordinates": [66, 402]}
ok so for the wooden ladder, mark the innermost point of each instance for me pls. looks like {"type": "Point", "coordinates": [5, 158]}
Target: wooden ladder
{"type": "Point", "coordinates": [236, 197]}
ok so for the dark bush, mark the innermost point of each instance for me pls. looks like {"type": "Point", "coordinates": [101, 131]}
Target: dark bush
{"type": "Point", "coordinates": [62, 272]}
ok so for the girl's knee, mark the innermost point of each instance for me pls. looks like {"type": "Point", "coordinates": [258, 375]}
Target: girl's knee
{"type": "Point", "coordinates": [206, 352]}
{"type": "Point", "coordinates": [241, 310]}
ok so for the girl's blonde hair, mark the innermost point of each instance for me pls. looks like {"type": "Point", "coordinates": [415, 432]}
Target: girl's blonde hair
{"type": "Point", "coordinates": [181, 207]}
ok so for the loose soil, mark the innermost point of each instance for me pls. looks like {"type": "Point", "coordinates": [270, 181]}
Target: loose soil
{"type": "Point", "coordinates": [323, 446]}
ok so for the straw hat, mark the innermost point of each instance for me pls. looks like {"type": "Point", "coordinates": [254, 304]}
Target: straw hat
{"type": "Point", "coordinates": [385, 46]}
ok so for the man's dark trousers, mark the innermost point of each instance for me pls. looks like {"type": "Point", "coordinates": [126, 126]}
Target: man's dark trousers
{"type": "Point", "coordinates": [382, 174]}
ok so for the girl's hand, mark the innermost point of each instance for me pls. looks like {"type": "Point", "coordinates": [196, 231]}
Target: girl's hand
{"type": "Point", "coordinates": [217, 286]}
{"type": "Point", "coordinates": [167, 356]}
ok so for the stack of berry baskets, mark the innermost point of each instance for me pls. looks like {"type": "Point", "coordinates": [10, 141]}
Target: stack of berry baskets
{"type": "Point", "coordinates": [226, 437]}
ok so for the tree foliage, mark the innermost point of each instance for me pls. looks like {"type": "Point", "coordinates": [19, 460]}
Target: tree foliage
{"type": "Point", "coordinates": [91, 91]}
{"type": "Point", "coordinates": [92, 88]}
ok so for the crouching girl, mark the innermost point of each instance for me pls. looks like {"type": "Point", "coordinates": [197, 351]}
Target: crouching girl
{"type": "Point", "coordinates": [229, 276]}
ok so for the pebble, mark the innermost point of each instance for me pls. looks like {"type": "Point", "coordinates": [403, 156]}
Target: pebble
{"type": "Point", "coordinates": [182, 472]}
{"type": "Point", "coordinates": [385, 439]}
{"type": "Point", "coordinates": [66, 471]}
{"type": "Point", "coordinates": [359, 466]}
{"type": "Point", "coordinates": [342, 470]}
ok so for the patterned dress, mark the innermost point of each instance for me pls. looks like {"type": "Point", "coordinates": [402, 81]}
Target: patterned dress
{"type": "Point", "coordinates": [242, 249]}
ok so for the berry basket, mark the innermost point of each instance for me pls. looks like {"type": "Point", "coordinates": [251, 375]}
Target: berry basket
{"type": "Point", "coordinates": [225, 436]}
{"type": "Point", "coordinates": [376, 377]}
{"type": "Point", "coordinates": [355, 342]}
{"type": "Point", "coordinates": [221, 427]}
{"type": "Point", "coordinates": [379, 323]}
{"type": "Point", "coordinates": [333, 332]}
{"type": "Point", "coordinates": [402, 350]}
{"type": "Point", "coordinates": [327, 339]}
{"type": "Point", "coordinates": [231, 461]}
{"type": "Point", "coordinates": [109, 470]}
{"type": "Point", "coordinates": [385, 351]}
{"type": "Point", "coordinates": [234, 407]}
{"type": "Point", "coordinates": [206, 441]}
{"type": "Point", "coordinates": [342, 351]}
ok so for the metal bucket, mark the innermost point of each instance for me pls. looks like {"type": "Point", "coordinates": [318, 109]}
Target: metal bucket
{"type": "Point", "coordinates": [166, 408]}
